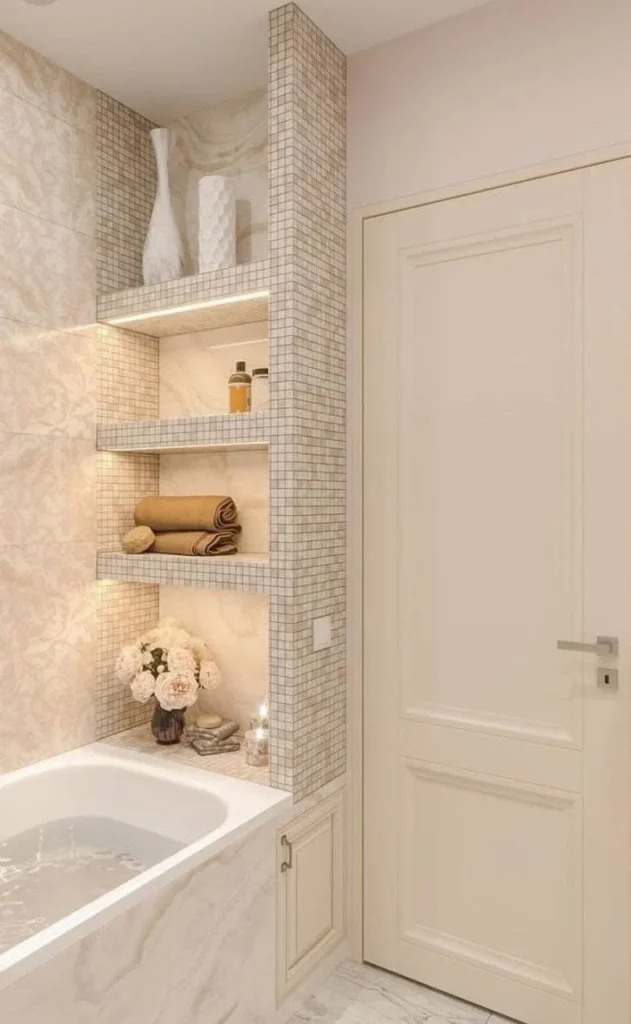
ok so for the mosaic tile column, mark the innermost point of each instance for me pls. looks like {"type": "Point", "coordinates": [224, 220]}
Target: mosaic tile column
{"type": "Point", "coordinates": [307, 231]}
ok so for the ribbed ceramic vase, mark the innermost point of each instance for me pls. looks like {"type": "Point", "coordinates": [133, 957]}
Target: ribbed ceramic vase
{"type": "Point", "coordinates": [217, 223]}
{"type": "Point", "coordinates": [163, 255]}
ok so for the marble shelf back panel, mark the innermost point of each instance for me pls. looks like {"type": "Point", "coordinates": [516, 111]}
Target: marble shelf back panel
{"type": "Point", "coordinates": [236, 628]}
{"type": "Point", "coordinates": [228, 138]}
{"type": "Point", "coordinates": [199, 951]}
{"type": "Point", "coordinates": [244, 475]}
{"type": "Point", "coordinates": [194, 368]}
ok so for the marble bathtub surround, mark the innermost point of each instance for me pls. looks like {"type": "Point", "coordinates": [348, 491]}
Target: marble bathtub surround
{"type": "Point", "coordinates": [47, 407]}
{"type": "Point", "coordinates": [230, 139]}
{"type": "Point", "coordinates": [181, 955]}
{"type": "Point", "coordinates": [194, 368]}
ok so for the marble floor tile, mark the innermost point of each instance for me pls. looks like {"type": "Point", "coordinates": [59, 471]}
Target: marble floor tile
{"type": "Point", "coordinates": [360, 994]}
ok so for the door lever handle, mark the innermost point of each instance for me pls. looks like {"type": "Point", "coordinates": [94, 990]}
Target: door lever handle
{"type": "Point", "coordinates": [605, 646]}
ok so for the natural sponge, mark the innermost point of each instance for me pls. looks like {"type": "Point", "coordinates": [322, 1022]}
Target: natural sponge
{"type": "Point", "coordinates": [139, 539]}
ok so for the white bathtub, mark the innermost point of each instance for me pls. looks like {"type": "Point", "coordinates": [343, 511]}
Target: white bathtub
{"type": "Point", "coordinates": [204, 811]}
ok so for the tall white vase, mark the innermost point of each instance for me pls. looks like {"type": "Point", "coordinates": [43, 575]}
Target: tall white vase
{"type": "Point", "coordinates": [217, 223]}
{"type": "Point", "coordinates": [163, 256]}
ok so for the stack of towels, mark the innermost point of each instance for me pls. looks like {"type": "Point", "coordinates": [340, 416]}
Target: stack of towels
{"type": "Point", "coordinates": [198, 525]}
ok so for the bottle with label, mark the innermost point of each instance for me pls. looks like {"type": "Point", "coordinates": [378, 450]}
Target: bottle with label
{"type": "Point", "coordinates": [240, 390]}
{"type": "Point", "coordinates": [260, 389]}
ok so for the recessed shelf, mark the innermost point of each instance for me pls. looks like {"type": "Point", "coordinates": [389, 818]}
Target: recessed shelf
{"type": "Point", "coordinates": [186, 434]}
{"type": "Point", "coordinates": [247, 572]}
{"type": "Point", "coordinates": [221, 298]}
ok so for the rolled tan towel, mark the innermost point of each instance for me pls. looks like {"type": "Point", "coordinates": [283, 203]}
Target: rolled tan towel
{"type": "Point", "coordinates": [173, 514]}
{"type": "Point", "coordinates": [219, 542]}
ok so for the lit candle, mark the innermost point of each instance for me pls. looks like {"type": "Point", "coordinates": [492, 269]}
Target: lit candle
{"type": "Point", "coordinates": [261, 718]}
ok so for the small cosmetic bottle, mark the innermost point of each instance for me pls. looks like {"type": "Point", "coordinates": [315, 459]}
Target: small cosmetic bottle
{"type": "Point", "coordinates": [260, 389]}
{"type": "Point", "coordinates": [240, 390]}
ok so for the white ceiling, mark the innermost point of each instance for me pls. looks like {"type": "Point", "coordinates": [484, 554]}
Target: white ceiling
{"type": "Point", "coordinates": [168, 57]}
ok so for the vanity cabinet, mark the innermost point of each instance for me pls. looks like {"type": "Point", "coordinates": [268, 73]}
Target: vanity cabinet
{"type": "Point", "coordinates": [311, 890]}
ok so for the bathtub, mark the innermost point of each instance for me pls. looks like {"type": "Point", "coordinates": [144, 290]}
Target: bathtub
{"type": "Point", "coordinates": [215, 880]}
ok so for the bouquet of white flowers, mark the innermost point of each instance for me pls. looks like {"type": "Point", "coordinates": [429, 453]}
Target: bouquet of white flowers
{"type": "Point", "coordinates": [170, 664]}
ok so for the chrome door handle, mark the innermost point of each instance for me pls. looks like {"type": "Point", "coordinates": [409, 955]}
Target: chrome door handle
{"type": "Point", "coordinates": [605, 646]}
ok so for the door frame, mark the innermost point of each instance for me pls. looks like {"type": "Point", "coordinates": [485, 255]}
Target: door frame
{"type": "Point", "coordinates": [355, 544]}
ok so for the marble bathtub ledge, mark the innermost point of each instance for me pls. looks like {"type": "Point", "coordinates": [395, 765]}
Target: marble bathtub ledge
{"type": "Point", "coordinates": [250, 806]}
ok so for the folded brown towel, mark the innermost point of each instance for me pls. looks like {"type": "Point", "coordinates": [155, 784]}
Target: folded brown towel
{"type": "Point", "coordinates": [219, 542]}
{"type": "Point", "coordinates": [202, 512]}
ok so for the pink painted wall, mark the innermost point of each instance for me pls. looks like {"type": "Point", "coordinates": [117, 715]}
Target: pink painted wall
{"type": "Point", "coordinates": [512, 83]}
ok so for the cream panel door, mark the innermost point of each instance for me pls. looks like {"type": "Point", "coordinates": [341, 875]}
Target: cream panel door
{"type": "Point", "coordinates": [497, 517]}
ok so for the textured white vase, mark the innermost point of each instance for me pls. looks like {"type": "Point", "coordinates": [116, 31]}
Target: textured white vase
{"type": "Point", "coordinates": [163, 255]}
{"type": "Point", "coordinates": [217, 223]}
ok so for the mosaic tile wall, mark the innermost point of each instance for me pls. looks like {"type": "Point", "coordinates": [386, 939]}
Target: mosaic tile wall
{"type": "Point", "coordinates": [126, 186]}
{"type": "Point", "coordinates": [307, 207]}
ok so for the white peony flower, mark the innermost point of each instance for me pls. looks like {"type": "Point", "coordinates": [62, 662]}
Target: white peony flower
{"type": "Point", "coordinates": [128, 664]}
{"type": "Point", "coordinates": [171, 636]}
{"type": "Point", "coordinates": [147, 657]}
{"type": "Point", "coordinates": [176, 690]}
{"type": "Point", "coordinates": [209, 675]}
{"type": "Point", "coordinates": [199, 648]}
{"type": "Point", "coordinates": [181, 660]}
{"type": "Point", "coordinates": [142, 687]}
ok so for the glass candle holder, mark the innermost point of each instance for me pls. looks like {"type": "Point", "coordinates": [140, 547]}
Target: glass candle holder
{"type": "Point", "coordinates": [257, 747]}
{"type": "Point", "coordinates": [260, 720]}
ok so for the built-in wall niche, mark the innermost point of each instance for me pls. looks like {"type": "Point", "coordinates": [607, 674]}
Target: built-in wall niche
{"type": "Point", "coordinates": [194, 368]}
{"type": "Point", "coordinates": [236, 627]}
{"type": "Point", "coordinates": [241, 474]}
{"type": "Point", "coordinates": [230, 139]}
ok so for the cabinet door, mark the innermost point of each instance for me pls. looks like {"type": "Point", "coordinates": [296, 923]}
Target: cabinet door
{"type": "Point", "coordinates": [310, 890]}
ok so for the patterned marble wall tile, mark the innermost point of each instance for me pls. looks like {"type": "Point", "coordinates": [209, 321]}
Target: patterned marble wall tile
{"type": "Point", "coordinates": [47, 167]}
{"type": "Point", "coordinates": [244, 475]}
{"type": "Point", "coordinates": [47, 407]}
{"type": "Point", "coordinates": [307, 151]}
{"type": "Point", "coordinates": [48, 490]}
{"type": "Point", "coordinates": [46, 272]}
{"type": "Point", "coordinates": [229, 138]}
{"type": "Point", "coordinates": [199, 950]}
{"type": "Point", "coordinates": [236, 628]}
{"type": "Point", "coordinates": [39, 81]}
{"type": "Point", "coordinates": [47, 380]}
{"type": "Point", "coordinates": [47, 615]}
{"type": "Point", "coordinates": [125, 193]}
{"type": "Point", "coordinates": [194, 368]}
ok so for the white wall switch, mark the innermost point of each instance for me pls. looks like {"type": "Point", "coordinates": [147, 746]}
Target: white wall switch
{"type": "Point", "coordinates": [322, 629]}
